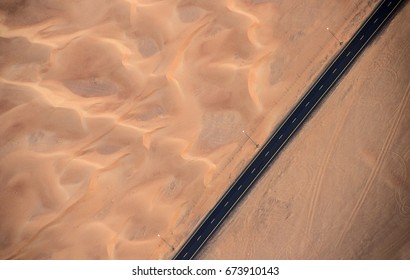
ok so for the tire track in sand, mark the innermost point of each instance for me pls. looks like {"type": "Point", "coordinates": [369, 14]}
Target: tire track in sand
{"type": "Point", "coordinates": [376, 168]}
{"type": "Point", "coordinates": [317, 184]}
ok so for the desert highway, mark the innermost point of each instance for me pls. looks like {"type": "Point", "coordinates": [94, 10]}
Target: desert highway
{"type": "Point", "coordinates": [289, 126]}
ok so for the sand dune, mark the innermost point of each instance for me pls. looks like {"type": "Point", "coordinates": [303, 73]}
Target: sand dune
{"type": "Point", "coordinates": [122, 120]}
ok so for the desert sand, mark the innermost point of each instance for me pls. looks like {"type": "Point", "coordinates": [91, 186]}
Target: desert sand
{"type": "Point", "coordinates": [340, 190]}
{"type": "Point", "coordinates": [122, 120]}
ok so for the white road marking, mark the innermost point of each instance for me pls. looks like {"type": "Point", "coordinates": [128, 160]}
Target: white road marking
{"type": "Point", "coordinates": [348, 54]}
{"type": "Point", "coordinates": [388, 5]}
{"type": "Point", "coordinates": [226, 203]}
{"type": "Point", "coordinates": [253, 170]}
{"type": "Point", "coordinates": [307, 104]}
{"type": "Point", "coordinates": [267, 153]}
{"type": "Point", "coordinates": [185, 254]}
{"type": "Point", "coordinates": [334, 70]}
{"type": "Point", "coordinates": [294, 120]}
{"type": "Point", "coordinates": [199, 238]}
{"type": "Point", "coordinates": [240, 187]}
{"type": "Point", "coordinates": [361, 38]}
{"type": "Point", "coordinates": [375, 20]}
{"type": "Point", "coordinates": [280, 136]}
{"type": "Point", "coordinates": [320, 87]}
{"type": "Point", "coordinates": [213, 220]}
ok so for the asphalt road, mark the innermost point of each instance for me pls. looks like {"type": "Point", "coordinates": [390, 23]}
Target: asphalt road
{"type": "Point", "coordinates": [292, 123]}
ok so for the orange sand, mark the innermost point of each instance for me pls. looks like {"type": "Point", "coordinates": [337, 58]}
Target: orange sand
{"type": "Point", "coordinates": [340, 190]}
{"type": "Point", "coordinates": [121, 120]}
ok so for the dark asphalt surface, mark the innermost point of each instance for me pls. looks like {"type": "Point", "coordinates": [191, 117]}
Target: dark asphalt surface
{"type": "Point", "coordinates": [281, 136]}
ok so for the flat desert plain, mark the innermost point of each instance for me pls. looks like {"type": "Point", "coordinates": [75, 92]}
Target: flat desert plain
{"type": "Point", "coordinates": [341, 189]}
{"type": "Point", "coordinates": [121, 122]}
